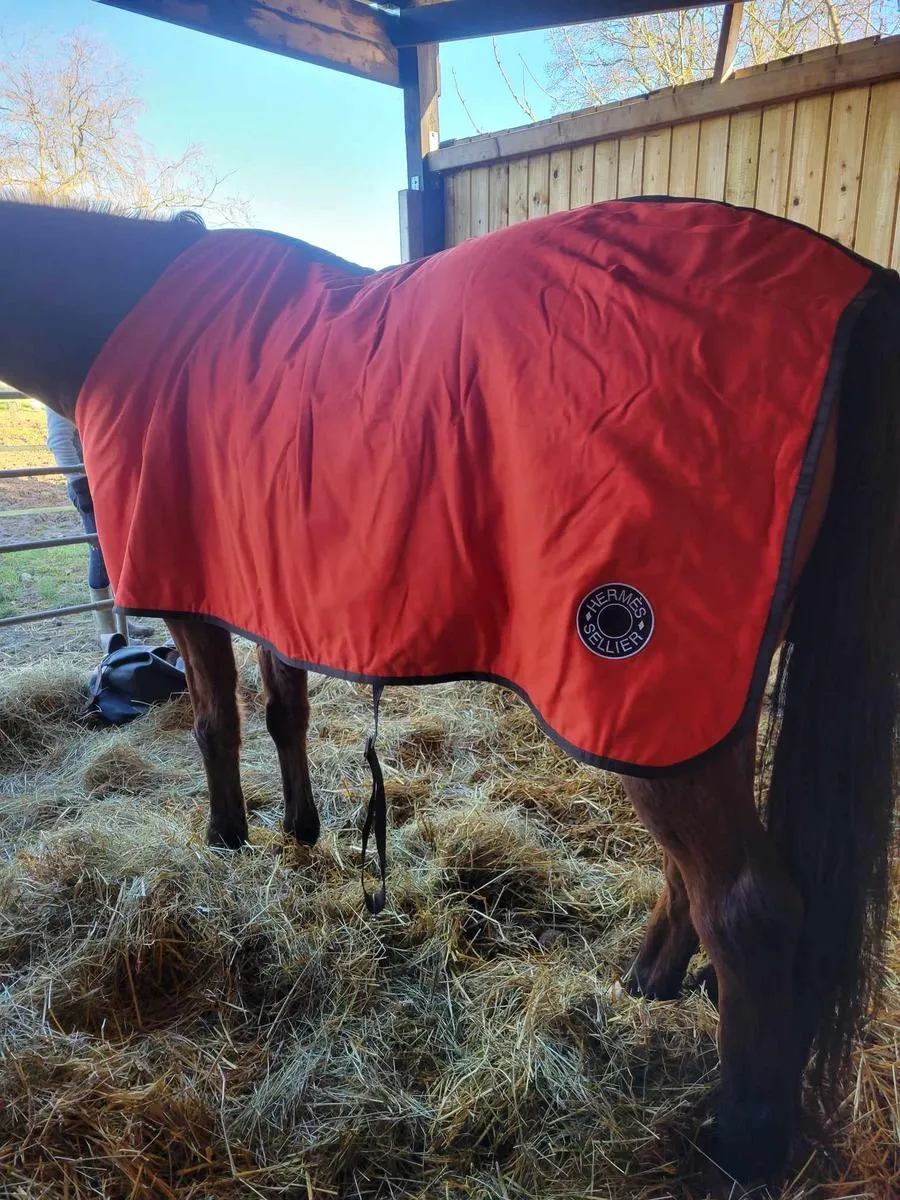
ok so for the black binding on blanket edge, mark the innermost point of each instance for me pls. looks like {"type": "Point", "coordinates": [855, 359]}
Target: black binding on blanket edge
{"type": "Point", "coordinates": [376, 812]}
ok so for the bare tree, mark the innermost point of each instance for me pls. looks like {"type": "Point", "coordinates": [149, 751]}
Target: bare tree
{"type": "Point", "coordinates": [69, 131]}
{"type": "Point", "coordinates": [609, 60]}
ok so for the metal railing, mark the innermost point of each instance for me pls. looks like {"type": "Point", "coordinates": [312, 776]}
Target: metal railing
{"type": "Point", "coordinates": [23, 472]}
{"type": "Point", "coordinates": [89, 539]}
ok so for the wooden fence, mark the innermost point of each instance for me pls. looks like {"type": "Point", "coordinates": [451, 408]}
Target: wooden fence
{"type": "Point", "coordinates": [815, 137]}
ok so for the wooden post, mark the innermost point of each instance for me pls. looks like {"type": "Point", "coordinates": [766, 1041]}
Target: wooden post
{"type": "Point", "coordinates": [422, 202]}
{"type": "Point", "coordinates": [728, 40]}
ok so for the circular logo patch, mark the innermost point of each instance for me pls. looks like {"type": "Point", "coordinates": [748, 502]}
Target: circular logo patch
{"type": "Point", "coordinates": [615, 621]}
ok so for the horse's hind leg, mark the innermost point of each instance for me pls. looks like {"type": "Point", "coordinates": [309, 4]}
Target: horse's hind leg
{"type": "Point", "coordinates": [287, 719]}
{"type": "Point", "coordinates": [748, 914]}
{"type": "Point", "coordinates": [669, 942]}
{"type": "Point", "coordinates": [212, 683]}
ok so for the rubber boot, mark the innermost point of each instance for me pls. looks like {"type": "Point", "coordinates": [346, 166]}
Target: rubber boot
{"type": "Point", "coordinates": [104, 621]}
{"type": "Point", "coordinates": [138, 632]}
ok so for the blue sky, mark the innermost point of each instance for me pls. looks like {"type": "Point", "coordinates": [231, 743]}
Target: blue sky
{"type": "Point", "coordinates": [318, 154]}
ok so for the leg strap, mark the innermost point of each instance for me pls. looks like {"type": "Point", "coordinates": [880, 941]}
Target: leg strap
{"type": "Point", "coordinates": [376, 816]}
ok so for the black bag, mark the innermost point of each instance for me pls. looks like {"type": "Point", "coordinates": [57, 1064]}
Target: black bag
{"type": "Point", "coordinates": [132, 678]}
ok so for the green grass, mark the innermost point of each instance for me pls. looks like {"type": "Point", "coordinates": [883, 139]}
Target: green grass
{"type": "Point", "coordinates": [34, 579]}
{"type": "Point", "coordinates": [22, 422]}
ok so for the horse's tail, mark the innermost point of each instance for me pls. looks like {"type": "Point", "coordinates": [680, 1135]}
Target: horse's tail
{"type": "Point", "coordinates": [835, 708]}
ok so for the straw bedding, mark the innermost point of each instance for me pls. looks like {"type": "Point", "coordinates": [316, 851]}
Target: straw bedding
{"type": "Point", "coordinates": [181, 1022]}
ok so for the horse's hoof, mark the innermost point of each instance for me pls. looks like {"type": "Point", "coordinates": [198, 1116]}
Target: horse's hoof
{"type": "Point", "coordinates": [304, 829]}
{"type": "Point", "coordinates": [642, 984]}
{"type": "Point", "coordinates": [718, 1185]}
{"type": "Point", "coordinates": [228, 839]}
{"type": "Point", "coordinates": [746, 1160]}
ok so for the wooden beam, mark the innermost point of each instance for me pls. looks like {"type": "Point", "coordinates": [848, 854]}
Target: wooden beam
{"type": "Point", "coordinates": [343, 34]}
{"type": "Point", "coordinates": [732, 15]}
{"type": "Point", "coordinates": [455, 20]}
{"type": "Point", "coordinates": [843, 66]}
{"type": "Point", "coordinates": [421, 204]}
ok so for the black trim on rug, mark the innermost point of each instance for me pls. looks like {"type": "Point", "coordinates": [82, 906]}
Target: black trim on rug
{"type": "Point", "coordinates": [880, 278]}
{"type": "Point", "coordinates": [781, 595]}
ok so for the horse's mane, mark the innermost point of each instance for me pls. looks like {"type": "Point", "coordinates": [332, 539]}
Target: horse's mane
{"type": "Point", "coordinates": [24, 198]}
{"type": "Point", "coordinates": [90, 204]}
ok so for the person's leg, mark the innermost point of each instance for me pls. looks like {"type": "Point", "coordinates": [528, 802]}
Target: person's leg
{"type": "Point", "coordinates": [65, 446]}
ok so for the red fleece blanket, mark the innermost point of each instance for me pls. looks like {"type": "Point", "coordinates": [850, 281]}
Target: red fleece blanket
{"type": "Point", "coordinates": [570, 456]}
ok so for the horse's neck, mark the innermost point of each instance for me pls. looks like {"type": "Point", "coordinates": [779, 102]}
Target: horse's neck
{"type": "Point", "coordinates": [66, 281]}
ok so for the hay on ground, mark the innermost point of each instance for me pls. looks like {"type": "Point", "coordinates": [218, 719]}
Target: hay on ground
{"type": "Point", "coordinates": [187, 1023]}
{"type": "Point", "coordinates": [119, 767]}
{"type": "Point", "coordinates": [34, 703]}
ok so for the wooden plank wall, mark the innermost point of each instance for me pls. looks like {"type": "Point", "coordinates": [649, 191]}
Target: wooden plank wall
{"type": "Point", "coordinates": [831, 161]}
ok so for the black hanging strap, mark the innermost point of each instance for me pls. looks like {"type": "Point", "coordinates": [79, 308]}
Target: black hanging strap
{"type": "Point", "coordinates": [376, 816]}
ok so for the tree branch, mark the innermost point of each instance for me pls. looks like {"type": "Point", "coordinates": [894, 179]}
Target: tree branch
{"type": "Point", "coordinates": [521, 101]}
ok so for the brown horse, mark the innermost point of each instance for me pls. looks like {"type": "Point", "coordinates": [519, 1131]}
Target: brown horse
{"type": "Point", "coordinates": [790, 909]}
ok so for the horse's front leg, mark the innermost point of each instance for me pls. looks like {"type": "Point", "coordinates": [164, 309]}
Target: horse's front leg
{"type": "Point", "coordinates": [748, 914]}
{"type": "Point", "coordinates": [287, 720]}
{"type": "Point", "coordinates": [212, 683]}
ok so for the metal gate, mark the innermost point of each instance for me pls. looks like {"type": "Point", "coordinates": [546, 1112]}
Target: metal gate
{"type": "Point", "coordinates": [48, 543]}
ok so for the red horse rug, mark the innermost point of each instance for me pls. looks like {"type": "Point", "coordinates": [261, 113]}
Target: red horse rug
{"type": "Point", "coordinates": [570, 457]}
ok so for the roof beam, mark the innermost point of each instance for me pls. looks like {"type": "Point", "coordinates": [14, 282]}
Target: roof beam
{"type": "Point", "coordinates": [455, 20]}
{"type": "Point", "coordinates": [344, 34]}
{"type": "Point", "coordinates": [729, 33]}
{"type": "Point", "coordinates": [354, 36]}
